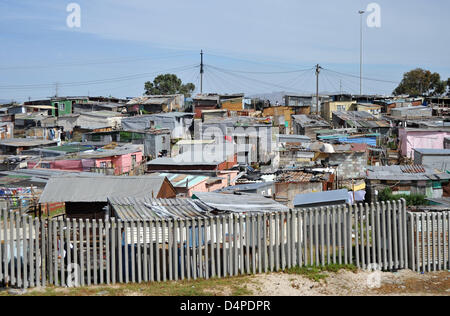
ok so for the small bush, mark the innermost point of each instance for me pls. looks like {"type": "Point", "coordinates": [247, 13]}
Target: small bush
{"type": "Point", "coordinates": [411, 200]}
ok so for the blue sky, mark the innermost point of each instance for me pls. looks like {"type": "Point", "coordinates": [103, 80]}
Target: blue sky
{"type": "Point", "coordinates": [129, 42]}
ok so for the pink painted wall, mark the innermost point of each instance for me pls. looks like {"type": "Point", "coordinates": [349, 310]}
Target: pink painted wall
{"type": "Point", "coordinates": [68, 165]}
{"type": "Point", "coordinates": [122, 164]}
{"type": "Point", "coordinates": [410, 140]}
{"type": "Point", "coordinates": [203, 187]}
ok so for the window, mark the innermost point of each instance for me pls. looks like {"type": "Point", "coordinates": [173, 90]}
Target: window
{"type": "Point", "coordinates": [133, 160]}
{"type": "Point", "coordinates": [62, 106]}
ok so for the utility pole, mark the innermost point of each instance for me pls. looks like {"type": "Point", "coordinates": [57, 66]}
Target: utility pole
{"type": "Point", "coordinates": [56, 89]}
{"type": "Point", "coordinates": [317, 88]}
{"type": "Point", "coordinates": [361, 13]}
{"type": "Point", "coordinates": [202, 71]}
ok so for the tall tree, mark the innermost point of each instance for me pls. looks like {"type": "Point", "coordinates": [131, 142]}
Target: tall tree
{"type": "Point", "coordinates": [421, 82]}
{"type": "Point", "coordinates": [168, 84]}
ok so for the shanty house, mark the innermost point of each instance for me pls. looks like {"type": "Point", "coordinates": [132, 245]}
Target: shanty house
{"type": "Point", "coordinates": [147, 208]}
{"type": "Point", "coordinates": [203, 102]}
{"type": "Point", "coordinates": [338, 102]}
{"type": "Point", "coordinates": [239, 203]}
{"type": "Point", "coordinates": [252, 136]}
{"type": "Point", "coordinates": [435, 158]}
{"type": "Point", "coordinates": [412, 112]}
{"type": "Point", "coordinates": [213, 158]}
{"type": "Point", "coordinates": [156, 142]}
{"type": "Point", "coordinates": [156, 104]}
{"type": "Point", "coordinates": [87, 197]}
{"type": "Point", "coordinates": [428, 138]}
{"type": "Point", "coordinates": [321, 199]}
{"type": "Point", "coordinates": [126, 160]}
{"type": "Point", "coordinates": [178, 123]}
{"type": "Point", "coordinates": [14, 146]}
{"type": "Point", "coordinates": [64, 106]}
{"type": "Point", "coordinates": [361, 121]}
{"type": "Point", "coordinates": [99, 106]}
{"type": "Point", "coordinates": [415, 179]}
{"type": "Point", "coordinates": [291, 183]}
{"type": "Point", "coordinates": [186, 184]}
{"type": "Point", "coordinates": [261, 188]}
{"type": "Point", "coordinates": [233, 103]}
{"type": "Point", "coordinates": [308, 125]}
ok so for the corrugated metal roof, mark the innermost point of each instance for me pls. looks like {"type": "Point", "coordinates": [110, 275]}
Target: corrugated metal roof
{"type": "Point", "coordinates": [437, 152]}
{"type": "Point", "coordinates": [98, 189]}
{"type": "Point", "coordinates": [292, 138]}
{"type": "Point", "coordinates": [154, 209]}
{"type": "Point", "coordinates": [207, 156]}
{"type": "Point", "coordinates": [371, 141]}
{"type": "Point", "coordinates": [239, 203]}
{"type": "Point", "coordinates": [301, 177]}
{"type": "Point", "coordinates": [180, 180]}
{"type": "Point", "coordinates": [196, 142]}
{"type": "Point", "coordinates": [26, 142]}
{"type": "Point", "coordinates": [320, 197]}
{"type": "Point", "coordinates": [310, 121]}
{"type": "Point", "coordinates": [246, 187]}
{"type": "Point", "coordinates": [399, 173]}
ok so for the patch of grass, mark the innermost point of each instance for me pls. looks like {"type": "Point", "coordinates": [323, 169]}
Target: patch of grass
{"type": "Point", "coordinates": [319, 273]}
{"type": "Point", "coordinates": [235, 286]}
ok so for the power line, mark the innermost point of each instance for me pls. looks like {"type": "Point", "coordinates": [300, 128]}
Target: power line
{"type": "Point", "coordinates": [270, 64]}
{"type": "Point", "coordinates": [264, 72]}
{"type": "Point", "coordinates": [94, 82]}
{"type": "Point", "coordinates": [345, 80]}
{"type": "Point", "coordinates": [250, 79]}
{"type": "Point", "coordinates": [91, 63]}
{"type": "Point", "coordinates": [365, 78]}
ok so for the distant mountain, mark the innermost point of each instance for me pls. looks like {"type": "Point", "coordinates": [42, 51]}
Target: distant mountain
{"type": "Point", "coordinates": [4, 101]}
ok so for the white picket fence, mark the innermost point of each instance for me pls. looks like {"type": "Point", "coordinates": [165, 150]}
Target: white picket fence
{"type": "Point", "coordinates": [61, 252]}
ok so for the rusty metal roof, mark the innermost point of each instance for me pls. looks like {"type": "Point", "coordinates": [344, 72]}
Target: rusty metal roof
{"type": "Point", "coordinates": [413, 169]}
{"type": "Point", "coordinates": [300, 176]}
{"type": "Point", "coordinates": [154, 209]}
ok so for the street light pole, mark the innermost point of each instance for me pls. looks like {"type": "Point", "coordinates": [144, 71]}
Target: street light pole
{"type": "Point", "coordinates": [361, 13]}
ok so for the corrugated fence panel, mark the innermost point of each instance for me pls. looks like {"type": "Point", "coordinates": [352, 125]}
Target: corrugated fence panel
{"type": "Point", "coordinates": [429, 241]}
{"type": "Point", "coordinates": [21, 252]}
{"type": "Point", "coordinates": [70, 253]}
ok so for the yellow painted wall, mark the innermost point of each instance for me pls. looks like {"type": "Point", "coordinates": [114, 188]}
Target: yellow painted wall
{"type": "Point", "coordinates": [330, 107]}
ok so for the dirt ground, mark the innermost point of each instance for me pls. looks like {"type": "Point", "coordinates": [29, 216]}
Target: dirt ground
{"type": "Point", "coordinates": [346, 283]}
{"type": "Point", "coordinates": [343, 283]}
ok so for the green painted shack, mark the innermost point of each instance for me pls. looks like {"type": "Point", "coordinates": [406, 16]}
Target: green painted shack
{"type": "Point", "coordinates": [64, 106]}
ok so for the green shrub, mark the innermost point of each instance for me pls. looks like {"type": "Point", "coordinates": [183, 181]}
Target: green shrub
{"type": "Point", "coordinates": [411, 200]}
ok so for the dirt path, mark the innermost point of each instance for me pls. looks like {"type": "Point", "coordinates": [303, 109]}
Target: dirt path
{"type": "Point", "coordinates": [346, 283]}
